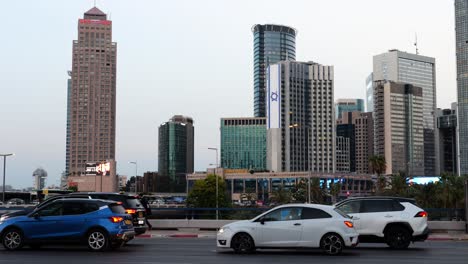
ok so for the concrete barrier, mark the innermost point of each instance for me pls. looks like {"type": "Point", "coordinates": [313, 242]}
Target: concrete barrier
{"type": "Point", "coordinates": [188, 224]}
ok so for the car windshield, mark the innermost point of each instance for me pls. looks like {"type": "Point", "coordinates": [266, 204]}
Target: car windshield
{"type": "Point", "coordinates": [117, 208]}
{"type": "Point", "coordinates": [133, 203]}
{"type": "Point", "coordinates": [342, 213]}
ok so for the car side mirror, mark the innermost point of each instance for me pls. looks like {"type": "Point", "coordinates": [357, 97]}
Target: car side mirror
{"type": "Point", "coordinates": [262, 221]}
{"type": "Point", "coordinates": [36, 215]}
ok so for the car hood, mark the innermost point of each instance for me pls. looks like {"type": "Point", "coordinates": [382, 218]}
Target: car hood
{"type": "Point", "coordinates": [238, 223]}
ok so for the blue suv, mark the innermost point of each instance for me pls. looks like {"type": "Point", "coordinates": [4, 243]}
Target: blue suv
{"type": "Point", "coordinates": [99, 224]}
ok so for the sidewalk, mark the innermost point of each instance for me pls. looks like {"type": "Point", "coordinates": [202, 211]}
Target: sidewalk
{"type": "Point", "coordinates": [450, 236]}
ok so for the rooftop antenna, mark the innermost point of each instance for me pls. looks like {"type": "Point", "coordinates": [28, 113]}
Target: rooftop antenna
{"type": "Point", "coordinates": [416, 43]}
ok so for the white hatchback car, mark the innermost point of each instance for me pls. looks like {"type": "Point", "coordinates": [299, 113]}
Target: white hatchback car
{"type": "Point", "coordinates": [291, 226]}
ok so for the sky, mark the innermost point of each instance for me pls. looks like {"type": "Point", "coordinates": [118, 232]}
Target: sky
{"type": "Point", "coordinates": [193, 58]}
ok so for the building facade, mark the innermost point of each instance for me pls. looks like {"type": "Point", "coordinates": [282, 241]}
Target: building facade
{"type": "Point", "coordinates": [40, 176]}
{"type": "Point", "coordinates": [243, 143]}
{"type": "Point", "coordinates": [363, 138]}
{"type": "Point", "coordinates": [348, 105]}
{"type": "Point", "coordinates": [348, 131]}
{"type": "Point", "coordinates": [300, 117]}
{"type": "Point", "coordinates": [398, 127]}
{"type": "Point", "coordinates": [343, 158]}
{"type": "Point", "coordinates": [419, 71]}
{"type": "Point", "coordinates": [370, 93]}
{"type": "Point", "coordinates": [176, 152]}
{"type": "Point", "coordinates": [461, 36]}
{"type": "Point", "coordinates": [448, 145]}
{"type": "Point", "coordinates": [92, 98]}
{"type": "Point", "coordinates": [272, 43]}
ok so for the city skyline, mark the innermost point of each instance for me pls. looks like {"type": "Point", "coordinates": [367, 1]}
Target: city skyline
{"type": "Point", "coordinates": [33, 105]}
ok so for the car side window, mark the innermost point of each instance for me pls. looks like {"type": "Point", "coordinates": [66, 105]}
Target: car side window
{"type": "Point", "coordinates": [397, 206]}
{"type": "Point", "coordinates": [352, 207]}
{"type": "Point", "coordinates": [291, 213]}
{"type": "Point", "coordinates": [313, 213]}
{"type": "Point", "coordinates": [53, 209]}
{"type": "Point", "coordinates": [375, 206]}
{"type": "Point", "coordinates": [73, 208]}
{"type": "Point", "coordinates": [272, 216]}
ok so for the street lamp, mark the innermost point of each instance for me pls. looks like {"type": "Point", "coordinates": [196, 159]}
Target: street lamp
{"type": "Point", "coordinates": [136, 177]}
{"type": "Point", "coordinates": [4, 171]}
{"type": "Point", "coordinates": [217, 165]}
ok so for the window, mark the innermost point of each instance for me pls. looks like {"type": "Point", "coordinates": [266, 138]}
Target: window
{"type": "Point", "coordinates": [312, 213]}
{"type": "Point", "coordinates": [373, 206]}
{"type": "Point", "coordinates": [54, 209]}
{"type": "Point", "coordinates": [352, 207]}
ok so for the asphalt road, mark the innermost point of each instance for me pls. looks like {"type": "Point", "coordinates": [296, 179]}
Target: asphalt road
{"type": "Point", "coordinates": [203, 251]}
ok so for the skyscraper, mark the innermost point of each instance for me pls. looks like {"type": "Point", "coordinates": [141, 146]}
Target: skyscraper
{"type": "Point", "coordinates": [92, 101]}
{"type": "Point", "coordinates": [348, 105]}
{"type": "Point", "coordinates": [176, 152]}
{"type": "Point", "coordinates": [243, 143]}
{"type": "Point", "coordinates": [417, 70]}
{"type": "Point", "coordinates": [398, 126]}
{"type": "Point", "coordinates": [461, 25]}
{"type": "Point", "coordinates": [447, 126]}
{"type": "Point", "coordinates": [301, 120]}
{"type": "Point", "coordinates": [272, 43]}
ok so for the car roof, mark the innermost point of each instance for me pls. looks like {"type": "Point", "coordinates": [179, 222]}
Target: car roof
{"type": "Point", "coordinates": [319, 206]}
{"type": "Point", "coordinates": [399, 199]}
{"type": "Point", "coordinates": [102, 193]}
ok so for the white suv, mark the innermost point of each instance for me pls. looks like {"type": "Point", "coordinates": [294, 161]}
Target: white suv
{"type": "Point", "coordinates": [392, 220]}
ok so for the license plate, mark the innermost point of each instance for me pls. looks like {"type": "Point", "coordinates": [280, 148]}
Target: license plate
{"type": "Point", "coordinates": [141, 222]}
{"type": "Point", "coordinates": [128, 222]}
{"type": "Point", "coordinates": [140, 214]}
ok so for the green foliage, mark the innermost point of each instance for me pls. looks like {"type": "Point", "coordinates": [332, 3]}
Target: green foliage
{"type": "Point", "coordinates": [203, 194]}
{"type": "Point", "coordinates": [73, 188]}
{"type": "Point", "coordinates": [378, 164]}
{"type": "Point", "coordinates": [281, 195]}
{"type": "Point", "coordinates": [300, 191]}
{"type": "Point", "coordinates": [335, 189]}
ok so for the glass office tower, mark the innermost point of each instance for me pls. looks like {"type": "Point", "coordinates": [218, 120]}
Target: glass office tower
{"type": "Point", "coordinates": [243, 143]}
{"type": "Point", "coordinates": [272, 43]}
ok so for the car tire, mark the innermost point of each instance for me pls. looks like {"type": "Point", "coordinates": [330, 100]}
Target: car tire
{"type": "Point", "coordinates": [97, 240]}
{"type": "Point", "coordinates": [13, 239]}
{"type": "Point", "coordinates": [398, 237]}
{"type": "Point", "coordinates": [243, 243]}
{"type": "Point", "coordinates": [332, 244]}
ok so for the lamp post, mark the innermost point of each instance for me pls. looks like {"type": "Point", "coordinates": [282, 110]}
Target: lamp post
{"type": "Point", "coordinates": [217, 164]}
{"type": "Point", "coordinates": [4, 172]}
{"type": "Point", "coordinates": [136, 177]}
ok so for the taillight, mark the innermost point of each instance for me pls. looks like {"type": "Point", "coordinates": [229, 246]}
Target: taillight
{"type": "Point", "coordinates": [349, 224]}
{"type": "Point", "coordinates": [116, 219]}
{"type": "Point", "coordinates": [130, 211]}
{"type": "Point", "coordinates": [421, 214]}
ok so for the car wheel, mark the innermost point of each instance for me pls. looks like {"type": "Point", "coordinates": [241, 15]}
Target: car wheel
{"type": "Point", "coordinates": [13, 239]}
{"type": "Point", "coordinates": [332, 244]}
{"type": "Point", "coordinates": [97, 240]}
{"type": "Point", "coordinates": [243, 243]}
{"type": "Point", "coordinates": [398, 238]}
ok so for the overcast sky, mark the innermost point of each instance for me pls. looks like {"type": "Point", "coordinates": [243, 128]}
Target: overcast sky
{"type": "Point", "coordinates": [192, 58]}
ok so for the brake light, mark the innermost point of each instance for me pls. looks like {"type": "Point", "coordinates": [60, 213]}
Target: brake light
{"type": "Point", "coordinates": [421, 214]}
{"type": "Point", "coordinates": [130, 211]}
{"type": "Point", "coordinates": [349, 224]}
{"type": "Point", "coordinates": [116, 219]}
{"type": "Point", "coordinates": [120, 203]}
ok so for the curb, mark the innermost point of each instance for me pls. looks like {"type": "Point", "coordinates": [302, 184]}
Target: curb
{"type": "Point", "coordinates": [175, 236]}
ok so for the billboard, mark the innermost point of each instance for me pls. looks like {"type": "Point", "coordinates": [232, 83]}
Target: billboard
{"type": "Point", "coordinates": [274, 96]}
{"type": "Point", "coordinates": [98, 168]}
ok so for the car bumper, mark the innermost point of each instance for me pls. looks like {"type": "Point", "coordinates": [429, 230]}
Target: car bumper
{"type": "Point", "coordinates": [423, 236]}
{"type": "Point", "coordinates": [351, 240]}
{"type": "Point", "coordinates": [123, 236]}
{"type": "Point", "coordinates": [223, 240]}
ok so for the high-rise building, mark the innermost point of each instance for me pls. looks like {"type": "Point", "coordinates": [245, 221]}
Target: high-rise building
{"type": "Point", "coordinates": [419, 71]}
{"type": "Point", "coordinates": [272, 43]}
{"type": "Point", "coordinates": [176, 152]}
{"type": "Point", "coordinates": [362, 148]}
{"type": "Point", "coordinates": [92, 99]}
{"type": "Point", "coordinates": [343, 158]}
{"type": "Point", "coordinates": [370, 92]}
{"type": "Point", "coordinates": [300, 117]}
{"type": "Point", "coordinates": [398, 127]}
{"type": "Point", "coordinates": [447, 126]}
{"type": "Point", "coordinates": [348, 131]}
{"type": "Point", "coordinates": [461, 25]}
{"type": "Point", "coordinates": [243, 143]}
{"type": "Point", "coordinates": [348, 105]}
{"type": "Point", "coordinates": [40, 176]}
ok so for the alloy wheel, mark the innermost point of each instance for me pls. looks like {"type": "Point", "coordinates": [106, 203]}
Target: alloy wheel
{"type": "Point", "coordinates": [97, 240]}
{"type": "Point", "coordinates": [12, 240]}
{"type": "Point", "coordinates": [332, 244]}
{"type": "Point", "coordinates": [243, 243]}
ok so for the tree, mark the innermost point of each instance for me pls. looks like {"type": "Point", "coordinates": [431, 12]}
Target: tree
{"type": "Point", "coordinates": [379, 165]}
{"type": "Point", "coordinates": [335, 189]}
{"type": "Point", "coordinates": [203, 194]}
{"type": "Point", "coordinates": [399, 186]}
{"type": "Point", "coordinates": [299, 192]}
{"type": "Point", "coordinates": [73, 188]}
{"type": "Point", "coordinates": [281, 195]}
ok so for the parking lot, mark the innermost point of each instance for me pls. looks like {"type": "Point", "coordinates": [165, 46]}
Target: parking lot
{"type": "Point", "coordinates": [203, 250]}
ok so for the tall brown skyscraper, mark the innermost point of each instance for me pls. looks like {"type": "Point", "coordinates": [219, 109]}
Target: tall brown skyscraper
{"type": "Point", "coordinates": [91, 99]}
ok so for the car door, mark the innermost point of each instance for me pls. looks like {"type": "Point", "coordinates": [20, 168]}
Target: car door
{"type": "Point", "coordinates": [75, 218]}
{"type": "Point", "coordinates": [374, 215]}
{"type": "Point", "coordinates": [281, 228]}
{"type": "Point", "coordinates": [352, 208]}
{"type": "Point", "coordinates": [43, 223]}
{"type": "Point", "coordinates": [313, 222]}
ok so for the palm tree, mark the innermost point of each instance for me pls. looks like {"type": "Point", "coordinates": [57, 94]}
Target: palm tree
{"type": "Point", "coordinates": [379, 165]}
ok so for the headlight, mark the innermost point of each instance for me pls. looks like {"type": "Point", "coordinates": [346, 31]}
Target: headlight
{"type": "Point", "coordinates": [223, 229]}
{"type": "Point", "coordinates": [3, 218]}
